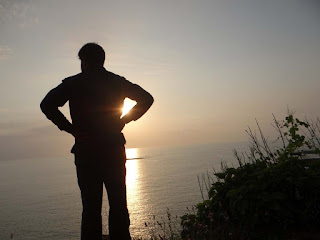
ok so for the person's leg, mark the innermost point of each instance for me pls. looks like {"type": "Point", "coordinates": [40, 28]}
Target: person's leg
{"type": "Point", "coordinates": [91, 186]}
{"type": "Point", "coordinates": [118, 214]}
{"type": "Point", "coordinates": [115, 182]}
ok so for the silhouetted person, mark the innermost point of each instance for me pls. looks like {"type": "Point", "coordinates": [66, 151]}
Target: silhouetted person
{"type": "Point", "coordinates": [96, 99]}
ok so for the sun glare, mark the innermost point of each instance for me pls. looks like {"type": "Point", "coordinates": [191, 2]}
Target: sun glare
{"type": "Point", "coordinates": [131, 153]}
{"type": "Point", "coordinates": [127, 106]}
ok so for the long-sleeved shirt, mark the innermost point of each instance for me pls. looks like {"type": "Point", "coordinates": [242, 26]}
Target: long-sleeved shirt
{"type": "Point", "coordinates": [95, 100]}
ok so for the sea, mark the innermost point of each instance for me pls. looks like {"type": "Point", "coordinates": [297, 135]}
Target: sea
{"type": "Point", "coordinates": [40, 198]}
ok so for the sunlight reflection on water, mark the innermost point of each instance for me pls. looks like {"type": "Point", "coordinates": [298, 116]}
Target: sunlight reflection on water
{"type": "Point", "coordinates": [132, 168]}
{"type": "Point", "coordinates": [133, 185]}
{"type": "Point", "coordinates": [38, 191]}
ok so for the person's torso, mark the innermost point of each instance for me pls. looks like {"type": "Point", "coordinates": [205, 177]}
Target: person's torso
{"type": "Point", "coordinates": [96, 102]}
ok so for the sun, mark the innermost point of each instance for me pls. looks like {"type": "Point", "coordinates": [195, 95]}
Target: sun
{"type": "Point", "coordinates": [128, 104]}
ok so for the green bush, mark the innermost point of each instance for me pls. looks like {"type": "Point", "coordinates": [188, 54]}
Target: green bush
{"type": "Point", "coordinates": [273, 194]}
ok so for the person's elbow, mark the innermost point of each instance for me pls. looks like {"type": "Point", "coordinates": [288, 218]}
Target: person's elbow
{"type": "Point", "coordinates": [150, 100]}
{"type": "Point", "coordinates": [44, 106]}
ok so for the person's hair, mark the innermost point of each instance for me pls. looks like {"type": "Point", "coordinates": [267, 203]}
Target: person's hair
{"type": "Point", "coordinates": [92, 53]}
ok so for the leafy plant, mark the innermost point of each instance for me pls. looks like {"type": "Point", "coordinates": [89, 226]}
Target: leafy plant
{"type": "Point", "coordinates": [273, 194]}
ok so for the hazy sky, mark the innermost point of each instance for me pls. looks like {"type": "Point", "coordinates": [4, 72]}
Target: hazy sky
{"type": "Point", "coordinates": [212, 66]}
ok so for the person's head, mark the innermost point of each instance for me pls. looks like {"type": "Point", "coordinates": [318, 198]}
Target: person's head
{"type": "Point", "coordinates": [91, 55]}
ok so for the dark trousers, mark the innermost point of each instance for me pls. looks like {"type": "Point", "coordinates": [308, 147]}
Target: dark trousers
{"type": "Point", "coordinates": [97, 166]}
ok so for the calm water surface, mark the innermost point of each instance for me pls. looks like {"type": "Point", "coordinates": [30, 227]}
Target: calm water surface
{"type": "Point", "coordinates": [40, 198]}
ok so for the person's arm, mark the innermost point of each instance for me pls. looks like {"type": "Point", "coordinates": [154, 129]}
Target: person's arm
{"type": "Point", "coordinates": [56, 98]}
{"type": "Point", "coordinates": [142, 97]}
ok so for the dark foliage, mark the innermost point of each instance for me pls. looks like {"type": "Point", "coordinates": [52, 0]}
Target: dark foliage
{"type": "Point", "coordinates": [273, 194]}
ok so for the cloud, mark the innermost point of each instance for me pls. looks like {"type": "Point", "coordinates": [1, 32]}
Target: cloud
{"type": "Point", "coordinates": [21, 11]}
{"type": "Point", "coordinates": [34, 146]}
{"type": "Point", "coordinates": [26, 128]}
{"type": "Point", "coordinates": [34, 142]}
{"type": "Point", "coordinates": [4, 110]}
{"type": "Point", "coordinates": [5, 53]}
